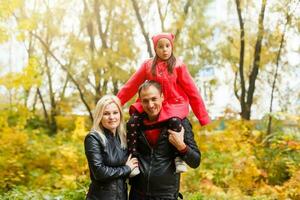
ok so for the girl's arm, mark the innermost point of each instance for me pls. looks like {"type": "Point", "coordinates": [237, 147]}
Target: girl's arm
{"type": "Point", "coordinates": [133, 84]}
{"type": "Point", "coordinates": [185, 80]}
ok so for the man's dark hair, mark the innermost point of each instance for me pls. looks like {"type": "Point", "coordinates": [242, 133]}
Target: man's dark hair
{"type": "Point", "coordinates": [149, 83]}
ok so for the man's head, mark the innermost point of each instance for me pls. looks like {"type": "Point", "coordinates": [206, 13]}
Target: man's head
{"type": "Point", "coordinates": [151, 96]}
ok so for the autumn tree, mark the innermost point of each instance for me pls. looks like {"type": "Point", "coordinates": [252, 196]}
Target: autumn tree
{"type": "Point", "coordinates": [246, 94]}
{"type": "Point", "coordinates": [287, 10]}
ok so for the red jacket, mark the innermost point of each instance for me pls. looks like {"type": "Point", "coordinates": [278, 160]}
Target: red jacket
{"type": "Point", "coordinates": [178, 88]}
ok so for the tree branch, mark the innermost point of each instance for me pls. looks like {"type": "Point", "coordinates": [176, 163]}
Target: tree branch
{"type": "Point", "coordinates": [68, 73]}
{"type": "Point", "coordinates": [235, 87]}
{"type": "Point", "coordinates": [98, 19]}
{"type": "Point", "coordinates": [185, 13]}
{"type": "Point", "coordinates": [162, 16]}
{"type": "Point", "coordinates": [288, 16]}
{"type": "Point", "coordinates": [256, 61]}
{"type": "Point", "coordinates": [141, 23]}
{"type": "Point", "coordinates": [242, 55]}
{"type": "Point", "coordinates": [43, 105]}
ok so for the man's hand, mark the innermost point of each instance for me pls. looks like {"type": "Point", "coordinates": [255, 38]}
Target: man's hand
{"type": "Point", "coordinates": [176, 138]}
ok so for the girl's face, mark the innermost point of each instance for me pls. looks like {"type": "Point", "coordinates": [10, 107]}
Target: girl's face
{"type": "Point", "coordinates": [163, 49]}
{"type": "Point", "coordinates": [111, 117]}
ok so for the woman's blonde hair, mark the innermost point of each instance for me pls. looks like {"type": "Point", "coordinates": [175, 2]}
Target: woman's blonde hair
{"type": "Point", "coordinates": [98, 114]}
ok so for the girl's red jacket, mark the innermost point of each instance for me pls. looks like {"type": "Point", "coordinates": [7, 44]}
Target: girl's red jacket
{"type": "Point", "coordinates": [178, 88]}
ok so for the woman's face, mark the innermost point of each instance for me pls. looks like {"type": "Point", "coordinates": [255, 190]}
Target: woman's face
{"type": "Point", "coordinates": [163, 49]}
{"type": "Point", "coordinates": [111, 117]}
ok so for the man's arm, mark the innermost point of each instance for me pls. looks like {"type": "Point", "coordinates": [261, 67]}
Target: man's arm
{"type": "Point", "coordinates": [185, 143]}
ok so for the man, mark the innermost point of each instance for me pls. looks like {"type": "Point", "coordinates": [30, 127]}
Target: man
{"type": "Point", "coordinates": [157, 147]}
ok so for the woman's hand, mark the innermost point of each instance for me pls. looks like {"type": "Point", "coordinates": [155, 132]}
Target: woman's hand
{"type": "Point", "coordinates": [176, 138]}
{"type": "Point", "coordinates": [132, 162]}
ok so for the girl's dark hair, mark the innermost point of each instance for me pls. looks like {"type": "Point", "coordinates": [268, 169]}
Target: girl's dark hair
{"type": "Point", "coordinates": [170, 64]}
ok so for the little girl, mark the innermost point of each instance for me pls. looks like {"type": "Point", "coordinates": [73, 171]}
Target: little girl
{"type": "Point", "coordinates": [178, 87]}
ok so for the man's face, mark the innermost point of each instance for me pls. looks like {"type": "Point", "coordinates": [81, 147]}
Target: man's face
{"type": "Point", "coordinates": [151, 100]}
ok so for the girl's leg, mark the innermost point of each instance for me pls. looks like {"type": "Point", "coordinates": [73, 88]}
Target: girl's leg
{"type": "Point", "coordinates": [132, 125]}
{"type": "Point", "coordinates": [175, 124]}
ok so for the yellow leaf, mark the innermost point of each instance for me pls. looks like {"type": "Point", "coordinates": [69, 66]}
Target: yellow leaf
{"type": "Point", "coordinates": [3, 35]}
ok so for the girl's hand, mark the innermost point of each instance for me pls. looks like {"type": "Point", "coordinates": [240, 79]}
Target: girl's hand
{"type": "Point", "coordinates": [176, 138]}
{"type": "Point", "coordinates": [132, 162]}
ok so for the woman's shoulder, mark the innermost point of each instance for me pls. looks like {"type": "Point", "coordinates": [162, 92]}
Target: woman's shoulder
{"type": "Point", "coordinates": [93, 135]}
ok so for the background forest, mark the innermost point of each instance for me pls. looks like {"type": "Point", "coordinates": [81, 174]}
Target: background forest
{"type": "Point", "coordinates": [57, 58]}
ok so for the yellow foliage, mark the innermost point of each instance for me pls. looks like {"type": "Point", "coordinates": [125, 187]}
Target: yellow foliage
{"type": "Point", "coordinates": [8, 6]}
{"type": "Point", "coordinates": [43, 180]}
{"type": "Point", "coordinates": [64, 106]}
{"type": "Point", "coordinates": [291, 188]}
{"type": "Point", "coordinates": [64, 158]}
{"type": "Point", "coordinates": [24, 115]}
{"type": "Point", "coordinates": [245, 174]}
{"type": "Point", "coordinates": [65, 122]}
{"type": "Point", "coordinates": [13, 144]}
{"type": "Point", "coordinates": [3, 35]}
{"type": "Point", "coordinates": [29, 76]}
{"type": "Point", "coordinates": [266, 190]}
{"type": "Point", "coordinates": [210, 188]}
{"type": "Point", "coordinates": [13, 141]}
{"type": "Point", "coordinates": [27, 24]}
{"type": "Point", "coordinates": [230, 167]}
{"type": "Point", "coordinates": [79, 133]}
{"type": "Point", "coordinates": [21, 36]}
{"type": "Point", "coordinates": [31, 70]}
{"type": "Point", "coordinates": [9, 80]}
{"type": "Point", "coordinates": [66, 181]}
{"type": "Point", "coordinates": [3, 122]}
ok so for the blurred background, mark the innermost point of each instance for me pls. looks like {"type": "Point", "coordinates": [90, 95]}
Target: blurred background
{"type": "Point", "coordinates": [57, 58]}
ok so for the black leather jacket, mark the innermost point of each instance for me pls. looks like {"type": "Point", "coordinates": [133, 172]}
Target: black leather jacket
{"type": "Point", "coordinates": [158, 177]}
{"type": "Point", "coordinates": [108, 171]}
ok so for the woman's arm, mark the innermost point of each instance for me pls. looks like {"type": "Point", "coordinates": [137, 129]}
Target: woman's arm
{"type": "Point", "coordinates": [98, 169]}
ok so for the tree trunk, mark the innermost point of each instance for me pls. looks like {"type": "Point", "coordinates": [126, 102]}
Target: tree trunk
{"type": "Point", "coordinates": [185, 13]}
{"type": "Point", "coordinates": [269, 130]}
{"type": "Point", "coordinates": [53, 114]}
{"type": "Point", "coordinates": [242, 55]}
{"type": "Point", "coordinates": [115, 87]}
{"type": "Point", "coordinates": [246, 97]}
{"type": "Point", "coordinates": [162, 16]}
{"type": "Point", "coordinates": [99, 89]}
{"type": "Point", "coordinates": [246, 113]}
{"type": "Point", "coordinates": [100, 29]}
{"type": "Point", "coordinates": [34, 102]}
{"type": "Point", "coordinates": [62, 94]}
{"type": "Point", "coordinates": [29, 53]}
{"type": "Point", "coordinates": [141, 23]}
{"type": "Point", "coordinates": [43, 105]}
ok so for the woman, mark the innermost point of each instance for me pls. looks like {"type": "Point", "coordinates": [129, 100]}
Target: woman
{"type": "Point", "coordinates": [105, 149]}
